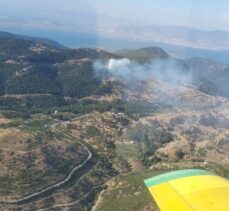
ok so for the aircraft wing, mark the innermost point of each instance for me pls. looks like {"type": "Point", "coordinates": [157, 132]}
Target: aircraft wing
{"type": "Point", "coordinates": [189, 190]}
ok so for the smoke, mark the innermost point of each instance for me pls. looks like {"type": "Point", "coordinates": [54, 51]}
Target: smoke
{"type": "Point", "coordinates": [121, 68]}
{"type": "Point", "coordinates": [170, 71]}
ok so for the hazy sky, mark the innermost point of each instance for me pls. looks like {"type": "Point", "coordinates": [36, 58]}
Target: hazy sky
{"type": "Point", "coordinates": [204, 14]}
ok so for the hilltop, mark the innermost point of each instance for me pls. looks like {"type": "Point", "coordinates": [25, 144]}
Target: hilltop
{"type": "Point", "coordinates": [142, 55]}
{"type": "Point", "coordinates": [36, 69]}
{"type": "Point", "coordinates": [49, 42]}
{"type": "Point", "coordinates": [40, 66]}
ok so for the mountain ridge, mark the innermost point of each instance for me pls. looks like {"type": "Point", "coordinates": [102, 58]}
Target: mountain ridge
{"type": "Point", "coordinates": [32, 67]}
{"type": "Point", "coordinates": [49, 42]}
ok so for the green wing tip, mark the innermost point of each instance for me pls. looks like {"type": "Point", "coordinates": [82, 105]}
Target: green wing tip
{"type": "Point", "coordinates": [175, 175]}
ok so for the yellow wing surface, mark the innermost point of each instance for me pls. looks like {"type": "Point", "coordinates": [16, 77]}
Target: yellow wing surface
{"type": "Point", "coordinates": [189, 190]}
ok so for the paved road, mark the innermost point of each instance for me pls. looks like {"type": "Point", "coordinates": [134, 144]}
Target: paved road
{"type": "Point", "coordinates": [69, 176]}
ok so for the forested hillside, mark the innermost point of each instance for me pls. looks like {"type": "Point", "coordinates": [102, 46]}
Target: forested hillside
{"type": "Point", "coordinates": [32, 68]}
{"type": "Point", "coordinates": [35, 73]}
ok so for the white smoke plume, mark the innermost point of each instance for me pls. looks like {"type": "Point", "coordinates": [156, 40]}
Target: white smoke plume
{"type": "Point", "coordinates": [166, 70]}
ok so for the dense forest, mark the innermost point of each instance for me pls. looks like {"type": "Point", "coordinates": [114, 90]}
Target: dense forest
{"type": "Point", "coordinates": [36, 73]}
{"type": "Point", "coordinates": [47, 74]}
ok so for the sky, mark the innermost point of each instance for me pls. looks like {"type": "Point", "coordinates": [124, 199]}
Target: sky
{"type": "Point", "coordinates": [201, 14]}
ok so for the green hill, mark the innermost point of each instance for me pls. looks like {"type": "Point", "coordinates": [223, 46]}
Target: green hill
{"type": "Point", "coordinates": [36, 39]}
{"type": "Point", "coordinates": [143, 55]}
{"type": "Point", "coordinates": [32, 67]}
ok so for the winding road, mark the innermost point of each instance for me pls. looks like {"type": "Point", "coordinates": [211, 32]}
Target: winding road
{"type": "Point", "coordinates": [69, 176]}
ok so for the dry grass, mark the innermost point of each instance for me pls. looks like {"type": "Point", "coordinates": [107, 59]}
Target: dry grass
{"type": "Point", "coordinates": [4, 120]}
{"type": "Point", "coordinates": [14, 140]}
